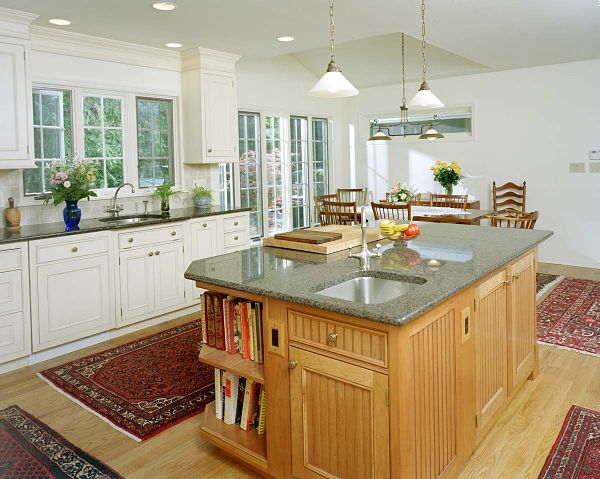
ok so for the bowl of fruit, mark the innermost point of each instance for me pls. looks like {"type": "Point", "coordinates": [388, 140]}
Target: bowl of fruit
{"type": "Point", "coordinates": [399, 232]}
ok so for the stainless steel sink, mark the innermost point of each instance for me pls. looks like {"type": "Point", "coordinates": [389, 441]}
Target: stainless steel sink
{"type": "Point", "coordinates": [130, 219]}
{"type": "Point", "coordinates": [369, 289]}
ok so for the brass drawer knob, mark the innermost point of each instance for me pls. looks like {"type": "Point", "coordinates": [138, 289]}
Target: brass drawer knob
{"type": "Point", "coordinates": [332, 337]}
{"type": "Point", "coordinates": [236, 238]}
{"type": "Point", "coordinates": [157, 253]}
{"type": "Point", "coordinates": [292, 363]}
{"type": "Point", "coordinates": [173, 233]}
{"type": "Point", "coordinates": [74, 249]}
{"type": "Point", "coordinates": [210, 150]}
{"type": "Point", "coordinates": [130, 240]}
{"type": "Point", "coordinates": [235, 223]}
{"type": "Point", "coordinates": [204, 225]}
{"type": "Point", "coordinates": [151, 253]}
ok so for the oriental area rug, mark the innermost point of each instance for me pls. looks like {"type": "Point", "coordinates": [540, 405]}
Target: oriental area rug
{"type": "Point", "coordinates": [569, 317]}
{"type": "Point", "coordinates": [142, 387]}
{"type": "Point", "coordinates": [29, 449]}
{"type": "Point", "coordinates": [576, 452]}
{"type": "Point", "coordinates": [545, 282]}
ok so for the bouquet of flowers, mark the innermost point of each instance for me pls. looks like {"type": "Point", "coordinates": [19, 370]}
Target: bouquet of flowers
{"type": "Point", "coordinates": [401, 192]}
{"type": "Point", "coordinates": [447, 175]}
{"type": "Point", "coordinates": [72, 180]}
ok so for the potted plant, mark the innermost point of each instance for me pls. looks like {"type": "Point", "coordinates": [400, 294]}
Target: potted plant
{"type": "Point", "coordinates": [447, 175]}
{"type": "Point", "coordinates": [202, 196]}
{"type": "Point", "coordinates": [71, 180]}
{"type": "Point", "coordinates": [164, 192]}
{"type": "Point", "coordinates": [401, 193]}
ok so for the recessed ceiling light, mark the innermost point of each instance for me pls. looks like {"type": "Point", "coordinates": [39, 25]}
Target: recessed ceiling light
{"type": "Point", "coordinates": [164, 6]}
{"type": "Point", "coordinates": [285, 39]}
{"type": "Point", "coordinates": [173, 45]}
{"type": "Point", "coordinates": [59, 21]}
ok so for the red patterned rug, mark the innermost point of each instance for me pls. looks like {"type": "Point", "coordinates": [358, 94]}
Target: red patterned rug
{"type": "Point", "coordinates": [142, 387]}
{"type": "Point", "coordinates": [576, 452]}
{"type": "Point", "coordinates": [569, 317]}
{"type": "Point", "coordinates": [545, 281]}
{"type": "Point", "coordinates": [31, 450]}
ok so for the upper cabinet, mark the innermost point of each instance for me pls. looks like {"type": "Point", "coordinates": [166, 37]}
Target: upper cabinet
{"type": "Point", "coordinates": [16, 132]}
{"type": "Point", "coordinates": [209, 107]}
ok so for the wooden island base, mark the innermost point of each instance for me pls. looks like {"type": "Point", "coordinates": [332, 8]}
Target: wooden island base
{"type": "Point", "coordinates": [352, 398]}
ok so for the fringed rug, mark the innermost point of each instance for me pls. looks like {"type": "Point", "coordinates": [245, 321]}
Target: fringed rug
{"type": "Point", "coordinates": [142, 387]}
{"type": "Point", "coordinates": [569, 317]}
{"type": "Point", "coordinates": [546, 281]}
{"type": "Point", "coordinates": [29, 449]}
{"type": "Point", "coordinates": [576, 452]}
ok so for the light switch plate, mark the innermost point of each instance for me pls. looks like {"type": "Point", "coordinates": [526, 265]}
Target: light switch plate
{"type": "Point", "coordinates": [595, 167]}
{"type": "Point", "coordinates": [577, 167]}
{"type": "Point", "coordinates": [595, 154]}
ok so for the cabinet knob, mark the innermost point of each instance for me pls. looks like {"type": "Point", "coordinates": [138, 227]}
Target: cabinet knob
{"type": "Point", "coordinates": [204, 225]}
{"type": "Point", "coordinates": [130, 240]}
{"type": "Point", "coordinates": [210, 150]}
{"type": "Point", "coordinates": [516, 275]}
{"type": "Point", "coordinates": [151, 253]}
{"type": "Point", "coordinates": [235, 223]}
{"type": "Point", "coordinates": [292, 363]}
{"type": "Point", "coordinates": [173, 233]}
{"type": "Point", "coordinates": [157, 253]}
{"type": "Point", "coordinates": [74, 249]}
{"type": "Point", "coordinates": [332, 337]}
{"type": "Point", "coordinates": [236, 238]}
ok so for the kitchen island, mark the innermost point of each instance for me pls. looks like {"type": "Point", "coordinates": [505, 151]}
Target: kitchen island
{"type": "Point", "coordinates": [405, 388]}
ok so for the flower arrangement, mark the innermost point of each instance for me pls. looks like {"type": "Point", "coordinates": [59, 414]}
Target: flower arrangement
{"type": "Point", "coordinates": [447, 175]}
{"type": "Point", "coordinates": [71, 181]}
{"type": "Point", "coordinates": [401, 192]}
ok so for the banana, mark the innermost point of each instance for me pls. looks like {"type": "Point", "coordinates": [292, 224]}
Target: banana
{"type": "Point", "coordinates": [400, 228]}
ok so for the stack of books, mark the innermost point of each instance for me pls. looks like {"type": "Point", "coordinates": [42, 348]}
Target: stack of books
{"type": "Point", "coordinates": [240, 400]}
{"type": "Point", "coordinates": [233, 325]}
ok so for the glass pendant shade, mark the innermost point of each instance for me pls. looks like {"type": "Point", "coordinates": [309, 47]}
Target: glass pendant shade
{"type": "Point", "coordinates": [431, 134]}
{"type": "Point", "coordinates": [333, 85]}
{"type": "Point", "coordinates": [380, 135]}
{"type": "Point", "coordinates": [425, 98]}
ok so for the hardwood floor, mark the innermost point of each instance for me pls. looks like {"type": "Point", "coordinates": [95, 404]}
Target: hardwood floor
{"type": "Point", "coordinates": [515, 447]}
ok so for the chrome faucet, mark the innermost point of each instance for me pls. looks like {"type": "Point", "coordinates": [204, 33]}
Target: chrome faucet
{"type": "Point", "coordinates": [364, 256]}
{"type": "Point", "coordinates": [114, 209]}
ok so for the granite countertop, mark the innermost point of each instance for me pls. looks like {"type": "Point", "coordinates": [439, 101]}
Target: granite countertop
{"type": "Point", "coordinates": [444, 260]}
{"type": "Point", "coordinates": [50, 230]}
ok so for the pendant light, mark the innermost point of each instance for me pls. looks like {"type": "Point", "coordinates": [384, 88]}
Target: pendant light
{"type": "Point", "coordinates": [380, 135]}
{"type": "Point", "coordinates": [333, 84]}
{"type": "Point", "coordinates": [424, 97]}
{"type": "Point", "coordinates": [431, 133]}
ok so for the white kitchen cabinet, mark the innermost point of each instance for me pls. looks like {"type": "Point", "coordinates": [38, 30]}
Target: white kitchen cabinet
{"type": "Point", "coordinates": [151, 274]}
{"type": "Point", "coordinates": [72, 296]}
{"type": "Point", "coordinates": [204, 237]}
{"type": "Point", "coordinates": [15, 324]}
{"type": "Point", "coordinates": [210, 107]}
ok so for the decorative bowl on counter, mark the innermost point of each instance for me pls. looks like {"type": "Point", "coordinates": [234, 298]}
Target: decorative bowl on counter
{"type": "Point", "coordinates": [399, 232]}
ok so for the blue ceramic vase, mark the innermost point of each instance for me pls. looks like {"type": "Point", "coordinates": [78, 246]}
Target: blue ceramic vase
{"type": "Point", "coordinates": [71, 215]}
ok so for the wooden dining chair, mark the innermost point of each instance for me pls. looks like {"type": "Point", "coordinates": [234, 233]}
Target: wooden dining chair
{"type": "Point", "coordinates": [340, 213]}
{"type": "Point", "coordinates": [449, 201]}
{"type": "Point", "coordinates": [319, 209]}
{"type": "Point", "coordinates": [514, 219]}
{"type": "Point", "coordinates": [356, 195]}
{"type": "Point", "coordinates": [391, 211]}
{"type": "Point", "coordinates": [509, 197]}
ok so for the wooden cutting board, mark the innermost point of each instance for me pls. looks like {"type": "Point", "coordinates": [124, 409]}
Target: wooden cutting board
{"type": "Point", "coordinates": [351, 235]}
{"type": "Point", "coordinates": [309, 236]}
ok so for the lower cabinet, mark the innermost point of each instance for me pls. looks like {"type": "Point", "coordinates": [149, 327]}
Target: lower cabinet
{"type": "Point", "coordinates": [72, 300]}
{"type": "Point", "coordinates": [151, 280]}
{"type": "Point", "coordinates": [205, 242]}
{"type": "Point", "coordinates": [340, 419]}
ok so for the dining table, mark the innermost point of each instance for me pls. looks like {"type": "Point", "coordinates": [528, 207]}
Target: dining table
{"type": "Point", "coordinates": [436, 214]}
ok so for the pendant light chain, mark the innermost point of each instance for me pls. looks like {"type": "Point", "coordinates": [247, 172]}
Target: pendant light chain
{"type": "Point", "coordinates": [423, 40]}
{"type": "Point", "coordinates": [403, 75]}
{"type": "Point", "coordinates": [331, 30]}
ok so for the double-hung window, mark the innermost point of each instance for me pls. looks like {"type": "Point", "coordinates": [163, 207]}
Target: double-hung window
{"type": "Point", "coordinates": [53, 136]}
{"type": "Point", "coordinates": [250, 167]}
{"type": "Point", "coordinates": [300, 174]}
{"type": "Point", "coordinates": [274, 166]}
{"type": "Point", "coordinates": [103, 137]}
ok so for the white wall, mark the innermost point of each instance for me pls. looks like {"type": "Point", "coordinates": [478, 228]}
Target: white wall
{"type": "Point", "coordinates": [529, 124]}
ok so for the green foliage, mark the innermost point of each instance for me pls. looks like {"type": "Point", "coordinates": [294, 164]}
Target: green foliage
{"type": "Point", "coordinates": [165, 191]}
{"type": "Point", "coordinates": [71, 180]}
{"type": "Point", "coordinates": [447, 175]}
{"type": "Point", "coordinates": [202, 192]}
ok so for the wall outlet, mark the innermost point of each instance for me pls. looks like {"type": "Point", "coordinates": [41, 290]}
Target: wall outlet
{"type": "Point", "coordinates": [595, 154]}
{"type": "Point", "coordinates": [595, 167]}
{"type": "Point", "coordinates": [577, 167]}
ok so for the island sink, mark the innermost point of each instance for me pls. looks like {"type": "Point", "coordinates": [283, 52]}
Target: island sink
{"type": "Point", "coordinates": [369, 289]}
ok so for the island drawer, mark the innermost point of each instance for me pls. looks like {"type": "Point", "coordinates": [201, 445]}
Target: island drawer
{"type": "Point", "coordinates": [341, 338]}
{"type": "Point", "coordinates": [137, 238]}
{"type": "Point", "coordinates": [235, 223]}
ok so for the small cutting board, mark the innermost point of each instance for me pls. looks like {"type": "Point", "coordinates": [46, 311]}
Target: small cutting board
{"type": "Point", "coordinates": [308, 236]}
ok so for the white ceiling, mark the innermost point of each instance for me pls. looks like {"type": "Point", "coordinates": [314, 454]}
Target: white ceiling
{"type": "Point", "coordinates": [471, 35]}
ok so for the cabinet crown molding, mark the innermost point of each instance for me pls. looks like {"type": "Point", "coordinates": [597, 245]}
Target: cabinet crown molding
{"type": "Point", "coordinates": [51, 40]}
{"type": "Point", "coordinates": [15, 23]}
{"type": "Point", "coordinates": [206, 58]}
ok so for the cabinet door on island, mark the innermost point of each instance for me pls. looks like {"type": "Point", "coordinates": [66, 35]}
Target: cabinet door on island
{"type": "Point", "coordinates": [340, 425]}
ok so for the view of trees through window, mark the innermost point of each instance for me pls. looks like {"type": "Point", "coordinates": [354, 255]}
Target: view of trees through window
{"type": "Point", "coordinates": [154, 141]}
{"type": "Point", "coordinates": [274, 174]}
{"type": "Point", "coordinates": [250, 170]}
{"type": "Point", "coordinates": [53, 136]}
{"type": "Point", "coordinates": [103, 138]}
{"type": "Point", "coordinates": [299, 164]}
{"type": "Point", "coordinates": [226, 185]}
{"type": "Point", "coordinates": [320, 158]}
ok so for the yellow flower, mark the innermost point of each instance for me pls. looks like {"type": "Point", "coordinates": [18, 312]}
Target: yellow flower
{"type": "Point", "coordinates": [444, 164]}
{"type": "Point", "coordinates": [457, 169]}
